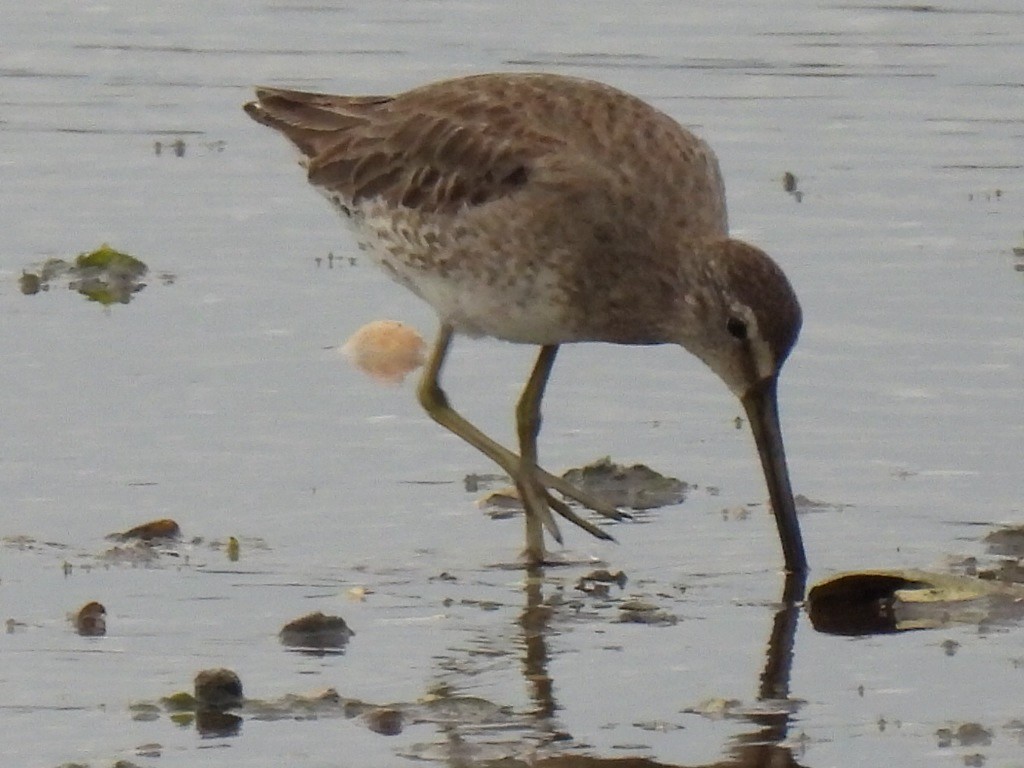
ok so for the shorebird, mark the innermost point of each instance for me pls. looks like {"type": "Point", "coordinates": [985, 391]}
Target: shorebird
{"type": "Point", "coordinates": [546, 210]}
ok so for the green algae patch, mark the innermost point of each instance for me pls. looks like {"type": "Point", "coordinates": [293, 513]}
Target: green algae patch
{"type": "Point", "coordinates": [181, 701]}
{"type": "Point", "coordinates": [105, 275]}
{"type": "Point", "coordinates": [106, 258]}
{"type": "Point", "coordinates": [108, 276]}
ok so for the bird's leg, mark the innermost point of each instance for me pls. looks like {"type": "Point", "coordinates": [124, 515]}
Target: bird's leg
{"type": "Point", "coordinates": [531, 479]}
{"type": "Point", "coordinates": [435, 402]}
{"type": "Point", "coordinates": [528, 419]}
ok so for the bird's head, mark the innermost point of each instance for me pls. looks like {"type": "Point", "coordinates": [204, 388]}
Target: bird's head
{"type": "Point", "coordinates": [741, 317]}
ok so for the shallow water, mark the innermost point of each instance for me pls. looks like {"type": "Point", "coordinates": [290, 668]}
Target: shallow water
{"type": "Point", "coordinates": [217, 397]}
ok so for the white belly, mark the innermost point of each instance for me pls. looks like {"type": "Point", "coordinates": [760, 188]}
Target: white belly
{"type": "Point", "coordinates": [477, 293]}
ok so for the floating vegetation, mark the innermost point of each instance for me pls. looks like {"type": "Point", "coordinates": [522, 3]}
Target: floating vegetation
{"type": "Point", "coordinates": [218, 690]}
{"type": "Point", "coordinates": [106, 276]}
{"type": "Point", "coordinates": [1007, 541]}
{"type": "Point", "coordinates": [502, 503]}
{"type": "Point", "coordinates": [598, 583]}
{"type": "Point", "coordinates": [636, 611]}
{"type": "Point", "coordinates": [637, 487]}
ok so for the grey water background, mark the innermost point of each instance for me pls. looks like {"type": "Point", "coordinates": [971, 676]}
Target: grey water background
{"type": "Point", "coordinates": [219, 399]}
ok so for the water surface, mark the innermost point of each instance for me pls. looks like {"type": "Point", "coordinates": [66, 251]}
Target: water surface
{"type": "Point", "coordinates": [216, 397]}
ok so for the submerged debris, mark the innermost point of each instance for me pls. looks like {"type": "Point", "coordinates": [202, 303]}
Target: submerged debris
{"type": "Point", "coordinates": [789, 184]}
{"type": "Point", "coordinates": [135, 553]}
{"type": "Point", "coordinates": [715, 708]}
{"type": "Point", "coordinates": [33, 282]}
{"type": "Point", "coordinates": [606, 576]}
{"type": "Point", "coordinates": [502, 503]}
{"type": "Point", "coordinates": [806, 504]}
{"type": "Point", "coordinates": [476, 482]}
{"type": "Point", "coordinates": [641, 612]}
{"type": "Point", "coordinates": [445, 707]}
{"type": "Point", "coordinates": [1018, 258]}
{"type": "Point", "coordinates": [598, 583]}
{"type": "Point", "coordinates": [13, 625]}
{"type": "Point", "coordinates": [217, 690]}
{"type": "Point", "coordinates": [1008, 569]}
{"type": "Point", "coordinates": [636, 487]}
{"type": "Point", "coordinates": [965, 735]}
{"type": "Point", "coordinates": [723, 709]}
{"type": "Point", "coordinates": [29, 283]}
{"type": "Point", "coordinates": [177, 146]}
{"type": "Point", "coordinates": [1008, 541]}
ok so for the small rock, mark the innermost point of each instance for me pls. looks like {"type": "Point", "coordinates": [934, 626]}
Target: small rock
{"type": "Point", "coordinates": [154, 530]}
{"type": "Point", "coordinates": [218, 689]}
{"type": "Point", "coordinates": [386, 721]}
{"type": "Point", "coordinates": [91, 620]}
{"type": "Point", "coordinates": [316, 630]}
{"type": "Point", "coordinates": [973, 735]}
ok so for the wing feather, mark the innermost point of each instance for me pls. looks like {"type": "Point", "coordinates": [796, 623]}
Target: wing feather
{"type": "Point", "coordinates": [433, 159]}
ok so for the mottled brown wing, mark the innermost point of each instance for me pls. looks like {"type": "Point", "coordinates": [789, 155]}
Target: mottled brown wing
{"type": "Point", "coordinates": [432, 157]}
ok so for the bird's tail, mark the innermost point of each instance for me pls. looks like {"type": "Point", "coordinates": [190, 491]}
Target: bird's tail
{"type": "Point", "coordinates": [311, 121]}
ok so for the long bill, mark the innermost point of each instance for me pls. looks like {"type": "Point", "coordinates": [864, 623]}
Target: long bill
{"type": "Point", "coordinates": [761, 405]}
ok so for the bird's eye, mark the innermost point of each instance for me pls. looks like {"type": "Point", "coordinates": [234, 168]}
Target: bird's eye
{"type": "Point", "coordinates": [736, 328]}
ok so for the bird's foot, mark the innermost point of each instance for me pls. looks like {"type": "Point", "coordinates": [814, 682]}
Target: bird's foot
{"type": "Point", "coordinates": [539, 503]}
{"type": "Point", "coordinates": [588, 500]}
